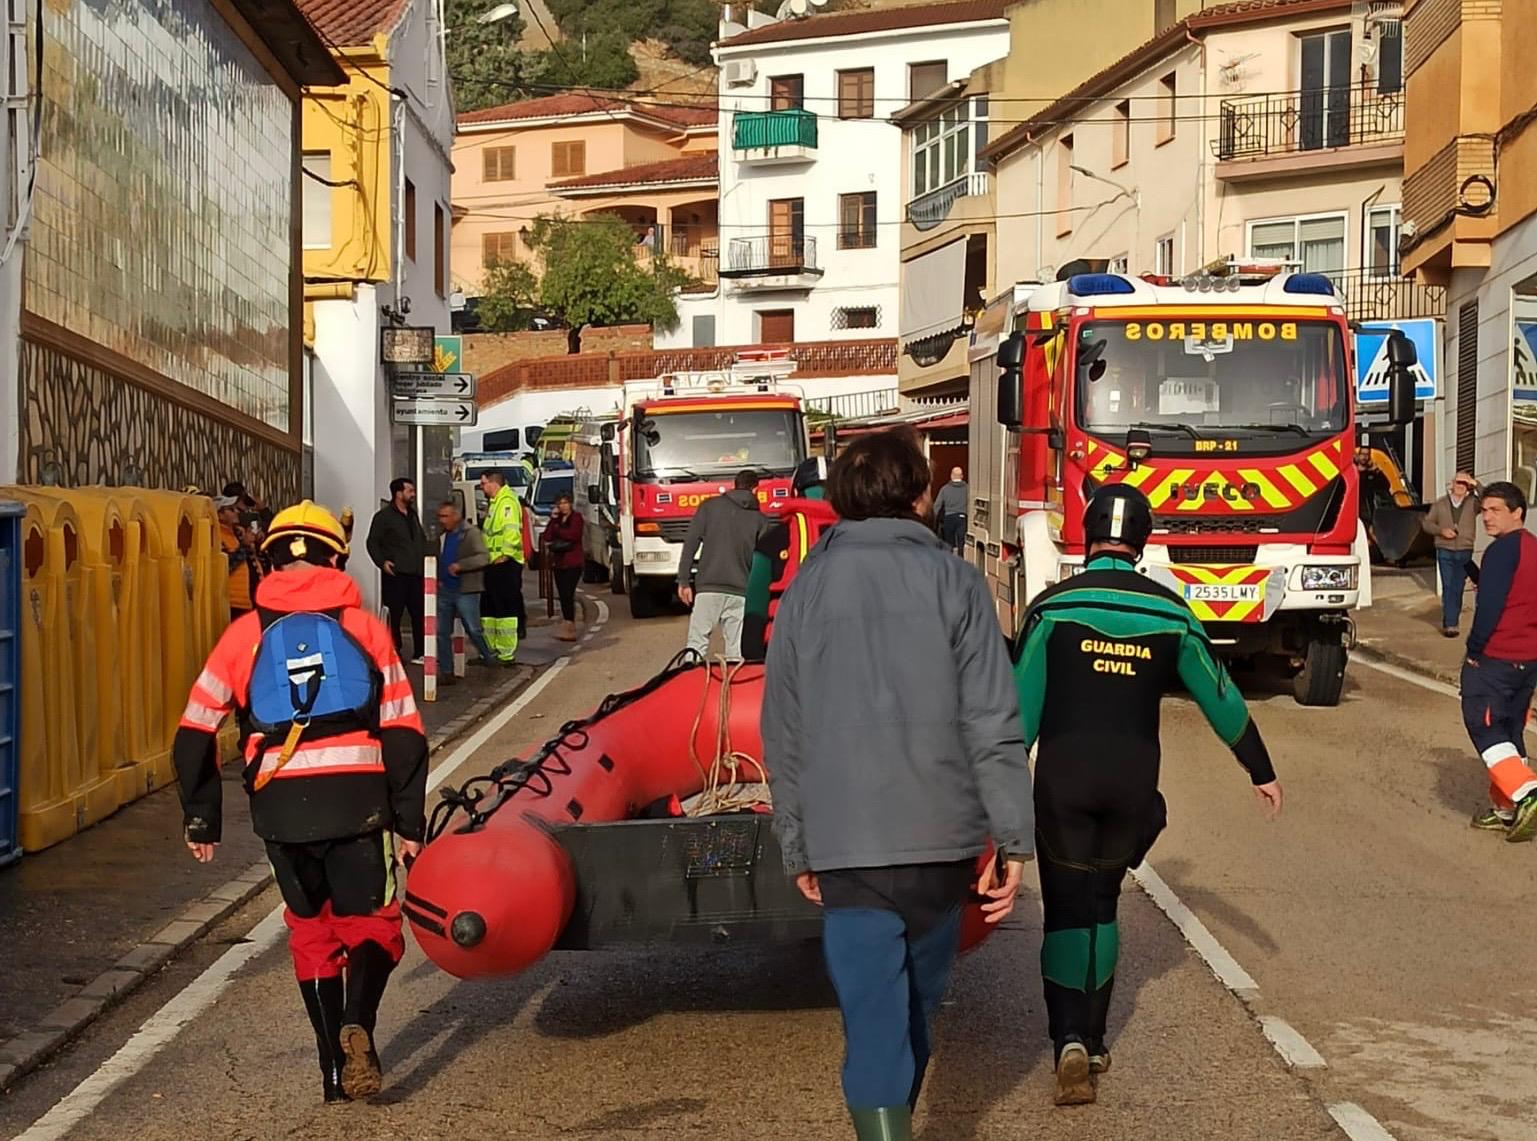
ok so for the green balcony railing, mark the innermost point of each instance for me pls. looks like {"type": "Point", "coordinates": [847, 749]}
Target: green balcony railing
{"type": "Point", "coordinates": [759, 130]}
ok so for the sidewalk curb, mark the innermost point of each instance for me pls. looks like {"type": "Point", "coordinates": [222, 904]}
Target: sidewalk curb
{"type": "Point", "coordinates": [25, 1052]}
{"type": "Point", "coordinates": [1377, 653]}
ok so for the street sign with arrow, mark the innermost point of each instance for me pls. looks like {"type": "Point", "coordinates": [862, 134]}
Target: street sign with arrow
{"type": "Point", "coordinates": [453, 413]}
{"type": "Point", "coordinates": [413, 385]}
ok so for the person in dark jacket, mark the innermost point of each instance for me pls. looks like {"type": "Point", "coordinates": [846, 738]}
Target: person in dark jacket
{"type": "Point", "coordinates": [728, 528]}
{"type": "Point", "coordinates": [398, 547]}
{"type": "Point", "coordinates": [563, 542]}
{"type": "Point", "coordinates": [892, 738]}
{"type": "Point", "coordinates": [1499, 675]}
{"type": "Point", "coordinates": [950, 509]}
{"type": "Point", "coordinates": [462, 563]}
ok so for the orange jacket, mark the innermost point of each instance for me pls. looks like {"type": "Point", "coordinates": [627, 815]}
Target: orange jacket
{"type": "Point", "coordinates": [332, 787]}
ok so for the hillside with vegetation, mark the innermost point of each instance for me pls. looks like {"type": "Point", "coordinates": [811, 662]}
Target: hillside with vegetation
{"type": "Point", "coordinates": [660, 46]}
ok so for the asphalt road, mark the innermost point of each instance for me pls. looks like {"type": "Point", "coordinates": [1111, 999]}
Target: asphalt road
{"type": "Point", "coordinates": [1376, 926]}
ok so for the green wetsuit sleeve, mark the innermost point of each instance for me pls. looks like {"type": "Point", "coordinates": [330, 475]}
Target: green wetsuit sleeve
{"type": "Point", "coordinates": [1030, 676]}
{"type": "Point", "coordinates": [1208, 682]}
{"type": "Point", "coordinates": [759, 576]}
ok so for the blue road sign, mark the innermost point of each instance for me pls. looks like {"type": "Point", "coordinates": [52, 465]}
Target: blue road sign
{"type": "Point", "coordinates": [1525, 350]}
{"type": "Point", "coordinates": [1372, 358]}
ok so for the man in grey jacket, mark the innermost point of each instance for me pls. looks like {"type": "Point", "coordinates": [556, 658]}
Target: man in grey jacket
{"type": "Point", "coordinates": [894, 747]}
{"type": "Point", "coordinates": [723, 533]}
{"type": "Point", "coordinates": [462, 562]}
{"type": "Point", "coordinates": [950, 508]}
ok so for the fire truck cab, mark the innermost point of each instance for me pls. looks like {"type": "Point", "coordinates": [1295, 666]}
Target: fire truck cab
{"type": "Point", "coordinates": [679, 440]}
{"type": "Point", "coordinates": [1227, 397]}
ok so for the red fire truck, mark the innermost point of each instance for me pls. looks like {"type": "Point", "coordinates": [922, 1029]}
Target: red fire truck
{"type": "Point", "coordinates": [677, 441]}
{"type": "Point", "coordinates": [1228, 398]}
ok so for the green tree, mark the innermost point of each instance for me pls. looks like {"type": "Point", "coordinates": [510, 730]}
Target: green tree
{"type": "Point", "coordinates": [593, 277]}
{"type": "Point", "coordinates": [485, 65]}
{"type": "Point", "coordinates": [507, 298]}
{"type": "Point", "coordinates": [600, 60]}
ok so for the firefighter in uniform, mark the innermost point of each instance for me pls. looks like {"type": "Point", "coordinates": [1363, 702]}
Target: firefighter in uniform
{"type": "Point", "coordinates": [1108, 639]}
{"type": "Point", "coordinates": [780, 552]}
{"type": "Point", "coordinates": [501, 603]}
{"type": "Point", "coordinates": [335, 762]}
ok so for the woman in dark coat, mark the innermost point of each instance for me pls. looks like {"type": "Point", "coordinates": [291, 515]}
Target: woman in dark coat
{"type": "Point", "coordinates": [563, 547]}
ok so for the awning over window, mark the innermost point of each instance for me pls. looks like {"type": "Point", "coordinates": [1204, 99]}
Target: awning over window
{"type": "Point", "coordinates": [933, 293]}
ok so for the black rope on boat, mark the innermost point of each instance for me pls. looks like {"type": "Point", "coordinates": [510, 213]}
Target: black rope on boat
{"type": "Point", "coordinates": [480, 797]}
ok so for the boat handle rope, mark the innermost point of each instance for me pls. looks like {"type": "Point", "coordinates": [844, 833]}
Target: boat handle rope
{"type": "Point", "coordinates": [512, 776]}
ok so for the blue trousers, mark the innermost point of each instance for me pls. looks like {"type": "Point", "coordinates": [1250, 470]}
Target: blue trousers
{"type": "Point", "coordinates": [1453, 566]}
{"type": "Point", "coordinates": [467, 608]}
{"type": "Point", "coordinates": [889, 987]}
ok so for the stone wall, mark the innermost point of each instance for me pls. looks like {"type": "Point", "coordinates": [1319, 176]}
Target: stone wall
{"type": "Point", "coordinates": [484, 353]}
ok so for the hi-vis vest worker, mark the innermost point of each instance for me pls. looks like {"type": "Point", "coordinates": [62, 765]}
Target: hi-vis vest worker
{"type": "Point", "coordinates": [501, 604]}
{"type": "Point", "coordinates": [1108, 639]}
{"type": "Point", "coordinates": [335, 762]}
{"type": "Point", "coordinates": [780, 552]}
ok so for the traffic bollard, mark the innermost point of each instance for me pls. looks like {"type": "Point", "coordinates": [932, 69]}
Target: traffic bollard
{"type": "Point", "coordinates": [430, 629]}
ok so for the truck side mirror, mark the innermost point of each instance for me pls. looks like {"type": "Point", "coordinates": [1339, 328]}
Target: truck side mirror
{"type": "Point", "coordinates": [1402, 358]}
{"type": "Point", "coordinates": [1011, 392]}
{"type": "Point", "coordinates": [606, 433]}
{"type": "Point", "coordinates": [594, 493]}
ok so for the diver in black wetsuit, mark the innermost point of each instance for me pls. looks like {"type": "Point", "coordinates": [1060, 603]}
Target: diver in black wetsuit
{"type": "Point", "coordinates": [1098, 652]}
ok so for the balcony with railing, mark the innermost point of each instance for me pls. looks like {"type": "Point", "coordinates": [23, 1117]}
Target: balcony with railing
{"type": "Point", "coordinates": [1369, 296]}
{"type": "Point", "coordinates": [766, 138]}
{"type": "Point", "coordinates": [777, 261]}
{"type": "Point", "coordinates": [853, 405]}
{"type": "Point", "coordinates": [1334, 126]}
{"type": "Point", "coordinates": [929, 210]}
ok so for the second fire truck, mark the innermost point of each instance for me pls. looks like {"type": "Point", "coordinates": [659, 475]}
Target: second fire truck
{"type": "Point", "coordinates": [1227, 397]}
{"type": "Point", "coordinates": [675, 442]}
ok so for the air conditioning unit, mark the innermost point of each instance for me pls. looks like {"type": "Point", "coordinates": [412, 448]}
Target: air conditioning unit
{"type": "Point", "coordinates": [740, 72]}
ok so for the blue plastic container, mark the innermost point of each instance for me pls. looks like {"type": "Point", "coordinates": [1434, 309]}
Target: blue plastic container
{"type": "Point", "coordinates": [10, 679]}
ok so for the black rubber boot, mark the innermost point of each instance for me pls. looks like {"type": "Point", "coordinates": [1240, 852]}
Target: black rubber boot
{"type": "Point", "coordinates": [893, 1123]}
{"type": "Point", "coordinates": [323, 999]}
{"type": "Point", "coordinates": [368, 970]}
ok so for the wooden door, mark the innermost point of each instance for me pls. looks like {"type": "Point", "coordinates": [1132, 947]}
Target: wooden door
{"type": "Point", "coordinates": [776, 326]}
{"type": "Point", "coordinates": [787, 228]}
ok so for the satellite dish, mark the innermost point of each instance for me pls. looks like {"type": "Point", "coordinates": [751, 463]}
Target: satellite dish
{"type": "Point", "coordinates": [799, 8]}
{"type": "Point", "coordinates": [818, 3]}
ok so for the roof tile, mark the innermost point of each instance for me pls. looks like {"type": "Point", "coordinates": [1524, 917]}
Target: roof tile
{"type": "Point", "coordinates": [557, 106]}
{"type": "Point", "coordinates": [688, 168]}
{"type": "Point", "coordinates": [351, 23]}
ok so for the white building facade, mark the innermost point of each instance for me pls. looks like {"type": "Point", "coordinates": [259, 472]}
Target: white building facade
{"type": "Point", "coordinates": [811, 188]}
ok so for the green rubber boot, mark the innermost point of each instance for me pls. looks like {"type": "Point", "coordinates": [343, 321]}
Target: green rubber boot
{"type": "Point", "coordinates": [891, 1124]}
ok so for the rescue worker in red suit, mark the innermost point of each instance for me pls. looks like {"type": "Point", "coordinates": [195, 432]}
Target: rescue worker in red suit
{"type": "Point", "coordinates": [335, 762]}
{"type": "Point", "coordinates": [780, 552]}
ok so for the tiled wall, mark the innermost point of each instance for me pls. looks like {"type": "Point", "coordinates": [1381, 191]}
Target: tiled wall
{"type": "Point", "coordinates": [82, 426]}
{"type": "Point", "coordinates": [161, 218]}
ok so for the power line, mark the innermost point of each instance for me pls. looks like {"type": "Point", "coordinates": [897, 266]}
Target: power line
{"type": "Point", "coordinates": [763, 230]}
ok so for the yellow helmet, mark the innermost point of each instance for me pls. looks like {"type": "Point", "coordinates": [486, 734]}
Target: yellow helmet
{"type": "Point", "coordinates": [296, 526]}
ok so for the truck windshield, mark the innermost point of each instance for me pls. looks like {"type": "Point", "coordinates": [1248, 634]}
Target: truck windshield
{"type": "Point", "coordinates": [697, 444]}
{"type": "Point", "coordinates": [1196, 378]}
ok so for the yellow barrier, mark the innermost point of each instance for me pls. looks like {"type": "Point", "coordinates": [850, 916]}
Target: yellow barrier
{"type": "Point", "coordinates": [62, 789]}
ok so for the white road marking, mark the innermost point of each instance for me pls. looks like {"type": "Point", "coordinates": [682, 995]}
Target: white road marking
{"type": "Point", "coordinates": [1297, 1051]}
{"type": "Point", "coordinates": [1222, 964]}
{"type": "Point", "coordinates": [1410, 676]}
{"type": "Point", "coordinates": [202, 992]}
{"type": "Point", "coordinates": [1357, 1123]}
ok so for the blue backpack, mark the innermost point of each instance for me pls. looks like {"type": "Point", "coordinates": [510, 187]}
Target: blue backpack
{"type": "Point", "coordinates": [309, 670]}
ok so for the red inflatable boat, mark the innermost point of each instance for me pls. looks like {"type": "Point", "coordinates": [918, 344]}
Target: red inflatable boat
{"type": "Point", "coordinates": [556, 850]}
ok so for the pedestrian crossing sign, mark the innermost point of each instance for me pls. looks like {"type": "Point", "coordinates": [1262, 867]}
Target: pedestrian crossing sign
{"type": "Point", "coordinates": [1372, 358]}
{"type": "Point", "coordinates": [1525, 350]}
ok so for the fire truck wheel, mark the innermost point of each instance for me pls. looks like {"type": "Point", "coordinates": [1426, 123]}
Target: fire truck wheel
{"type": "Point", "coordinates": [616, 581]}
{"type": "Point", "coordinates": [1322, 677]}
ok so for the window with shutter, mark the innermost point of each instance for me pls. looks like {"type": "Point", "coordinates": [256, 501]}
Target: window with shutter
{"type": "Point", "coordinates": [1467, 384]}
{"type": "Point", "coordinates": [499, 247]}
{"type": "Point", "coordinates": [787, 92]}
{"type": "Point", "coordinates": [410, 219]}
{"type": "Point", "coordinates": [569, 159]}
{"type": "Point", "coordinates": [926, 78]}
{"type": "Point", "coordinates": [499, 164]}
{"type": "Point", "coordinates": [856, 94]}
{"type": "Point", "coordinates": [856, 221]}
